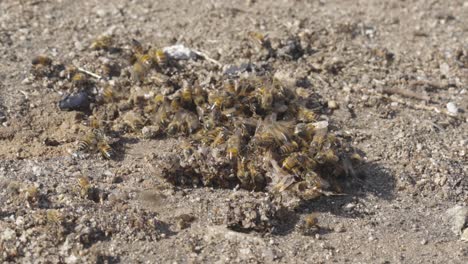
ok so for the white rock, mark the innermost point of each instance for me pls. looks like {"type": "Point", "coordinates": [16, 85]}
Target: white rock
{"type": "Point", "coordinates": [349, 207]}
{"type": "Point", "coordinates": [457, 217]}
{"type": "Point", "coordinates": [464, 236]}
{"type": "Point", "coordinates": [8, 234]}
{"type": "Point", "coordinates": [179, 52]}
{"type": "Point", "coordinates": [452, 108]}
{"type": "Point", "coordinates": [444, 68]}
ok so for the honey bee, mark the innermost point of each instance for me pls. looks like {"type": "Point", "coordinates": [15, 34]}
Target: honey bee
{"type": "Point", "coordinates": [41, 60]}
{"type": "Point", "coordinates": [70, 71]}
{"type": "Point", "coordinates": [327, 156]}
{"type": "Point", "coordinates": [108, 94]}
{"type": "Point", "coordinates": [242, 173]}
{"type": "Point", "coordinates": [220, 100]}
{"type": "Point", "coordinates": [306, 115]}
{"type": "Point", "coordinates": [212, 119]}
{"type": "Point", "coordinates": [105, 149]}
{"type": "Point", "coordinates": [79, 79]}
{"type": "Point", "coordinates": [292, 162]}
{"type": "Point", "coordinates": [102, 42]}
{"type": "Point", "coordinates": [304, 131]}
{"type": "Point", "coordinates": [133, 120]}
{"type": "Point", "coordinates": [265, 97]}
{"type": "Point", "coordinates": [139, 71]}
{"type": "Point", "coordinates": [32, 194]}
{"type": "Point", "coordinates": [313, 179]}
{"type": "Point", "coordinates": [159, 99]}
{"type": "Point", "coordinates": [270, 131]}
{"type": "Point", "coordinates": [110, 70]}
{"type": "Point", "coordinates": [288, 147]}
{"type": "Point", "coordinates": [199, 96]}
{"type": "Point", "coordinates": [137, 47]}
{"type": "Point", "coordinates": [54, 217]}
{"type": "Point", "coordinates": [233, 146]}
{"type": "Point", "coordinates": [163, 114]}
{"type": "Point", "coordinates": [220, 135]}
{"type": "Point", "coordinates": [88, 141]}
{"type": "Point", "coordinates": [41, 66]}
{"type": "Point", "coordinates": [186, 96]}
{"type": "Point", "coordinates": [84, 185]}
{"type": "Point", "coordinates": [174, 126]}
{"type": "Point", "coordinates": [281, 179]}
{"type": "Point", "coordinates": [260, 39]}
{"type": "Point", "coordinates": [311, 221]}
{"type": "Point", "coordinates": [142, 62]}
{"type": "Point", "coordinates": [191, 121]}
{"type": "Point", "coordinates": [159, 57]}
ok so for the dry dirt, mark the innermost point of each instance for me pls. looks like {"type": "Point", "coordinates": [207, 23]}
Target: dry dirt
{"type": "Point", "coordinates": [380, 61]}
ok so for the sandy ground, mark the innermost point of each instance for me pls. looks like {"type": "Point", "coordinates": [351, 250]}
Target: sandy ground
{"type": "Point", "coordinates": [391, 66]}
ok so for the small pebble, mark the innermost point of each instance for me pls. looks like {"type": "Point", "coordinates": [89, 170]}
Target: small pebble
{"type": "Point", "coordinates": [349, 207]}
{"type": "Point", "coordinates": [464, 235]}
{"type": "Point", "coordinates": [332, 104]}
{"type": "Point", "coordinates": [424, 242]}
{"type": "Point", "coordinates": [452, 108]}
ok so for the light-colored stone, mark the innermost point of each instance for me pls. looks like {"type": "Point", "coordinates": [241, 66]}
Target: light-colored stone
{"type": "Point", "coordinates": [457, 217]}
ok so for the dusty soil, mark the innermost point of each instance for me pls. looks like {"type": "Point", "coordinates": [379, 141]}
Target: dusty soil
{"type": "Point", "coordinates": [387, 64]}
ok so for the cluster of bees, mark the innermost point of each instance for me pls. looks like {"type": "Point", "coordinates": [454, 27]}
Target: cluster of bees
{"type": "Point", "coordinates": [249, 131]}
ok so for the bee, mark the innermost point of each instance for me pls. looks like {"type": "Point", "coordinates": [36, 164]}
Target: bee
{"type": "Point", "coordinates": [356, 157]}
{"type": "Point", "coordinates": [265, 96]}
{"type": "Point", "coordinates": [163, 114]}
{"type": "Point", "coordinates": [304, 130]}
{"type": "Point", "coordinates": [191, 121]}
{"type": "Point", "coordinates": [32, 194]}
{"type": "Point", "coordinates": [109, 94]}
{"type": "Point", "coordinates": [199, 96]}
{"type": "Point", "coordinates": [70, 71]}
{"type": "Point", "coordinates": [260, 39]}
{"type": "Point", "coordinates": [139, 71]}
{"type": "Point", "coordinates": [88, 142]}
{"type": "Point", "coordinates": [256, 176]}
{"type": "Point", "coordinates": [137, 47]}
{"type": "Point", "coordinates": [41, 65]}
{"type": "Point", "coordinates": [288, 147]}
{"type": "Point", "coordinates": [102, 42]}
{"type": "Point", "coordinates": [314, 180]}
{"type": "Point", "coordinates": [142, 62]}
{"type": "Point", "coordinates": [79, 79]}
{"type": "Point", "coordinates": [212, 119]}
{"type": "Point", "coordinates": [297, 161]}
{"type": "Point", "coordinates": [220, 100]}
{"type": "Point", "coordinates": [292, 162]}
{"type": "Point", "coordinates": [133, 120]}
{"type": "Point", "coordinates": [327, 156]}
{"type": "Point", "coordinates": [311, 221]}
{"type": "Point", "coordinates": [270, 131]}
{"type": "Point", "coordinates": [54, 217]}
{"type": "Point", "coordinates": [110, 70]}
{"type": "Point", "coordinates": [41, 60]}
{"type": "Point", "coordinates": [242, 173]}
{"type": "Point", "coordinates": [159, 99]}
{"type": "Point", "coordinates": [174, 126]}
{"type": "Point", "coordinates": [221, 136]}
{"type": "Point", "coordinates": [306, 115]}
{"type": "Point", "coordinates": [186, 96]}
{"type": "Point", "coordinates": [233, 146]}
{"type": "Point", "coordinates": [105, 149]}
{"type": "Point", "coordinates": [281, 179]}
{"type": "Point", "coordinates": [159, 57]}
{"type": "Point", "coordinates": [84, 186]}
